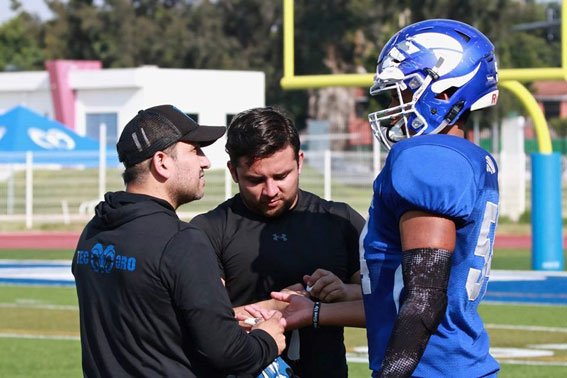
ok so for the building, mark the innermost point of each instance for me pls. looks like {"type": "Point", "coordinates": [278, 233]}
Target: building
{"type": "Point", "coordinates": [552, 98]}
{"type": "Point", "coordinates": [83, 96]}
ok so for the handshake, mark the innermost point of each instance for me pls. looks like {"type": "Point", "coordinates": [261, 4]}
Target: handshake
{"type": "Point", "coordinates": [322, 300]}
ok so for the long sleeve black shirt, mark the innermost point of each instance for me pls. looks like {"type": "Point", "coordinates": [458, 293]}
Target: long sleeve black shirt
{"type": "Point", "coordinates": [151, 299]}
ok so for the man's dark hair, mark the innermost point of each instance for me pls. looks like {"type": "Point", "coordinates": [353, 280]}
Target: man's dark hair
{"type": "Point", "coordinates": [135, 173]}
{"type": "Point", "coordinates": [259, 133]}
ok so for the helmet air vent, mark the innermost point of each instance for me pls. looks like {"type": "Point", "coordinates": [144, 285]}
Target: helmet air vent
{"type": "Point", "coordinates": [466, 37]}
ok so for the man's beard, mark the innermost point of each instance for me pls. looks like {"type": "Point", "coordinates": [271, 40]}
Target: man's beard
{"type": "Point", "coordinates": [182, 197]}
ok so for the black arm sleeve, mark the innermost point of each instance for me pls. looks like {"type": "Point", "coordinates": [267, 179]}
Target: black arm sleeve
{"type": "Point", "coordinates": [426, 276]}
{"type": "Point", "coordinates": [190, 271]}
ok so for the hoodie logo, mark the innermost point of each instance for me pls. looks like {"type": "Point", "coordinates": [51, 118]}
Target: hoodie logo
{"type": "Point", "coordinates": [105, 260]}
{"type": "Point", "coordinates": [102, 261]}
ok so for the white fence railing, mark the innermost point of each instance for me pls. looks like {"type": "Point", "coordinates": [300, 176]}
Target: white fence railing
{"type": "Point", "coordinates": [32, 193]}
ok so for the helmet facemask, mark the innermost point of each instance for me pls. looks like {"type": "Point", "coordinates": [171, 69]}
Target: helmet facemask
{"type": "Point", "coordinates": [384, 130]}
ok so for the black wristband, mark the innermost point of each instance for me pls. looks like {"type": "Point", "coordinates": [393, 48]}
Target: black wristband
{"type": "Point", "coordinates": [316, 309]}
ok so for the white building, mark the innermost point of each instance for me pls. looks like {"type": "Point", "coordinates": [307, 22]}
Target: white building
{"type": "Point", "coordinates": [114, 96]}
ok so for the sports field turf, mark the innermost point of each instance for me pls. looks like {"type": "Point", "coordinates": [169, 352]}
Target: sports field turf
{"type": "Point", "coordinates": [510, 259]}
{"type": "Point", "coordinates": [39, 328]}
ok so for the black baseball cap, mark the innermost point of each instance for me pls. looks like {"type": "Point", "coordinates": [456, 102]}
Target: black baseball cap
{"type": "Point", "coordinates": [159, 127]}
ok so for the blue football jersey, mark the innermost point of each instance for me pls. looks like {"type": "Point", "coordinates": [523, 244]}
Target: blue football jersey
{"type": "Point", "coordinates": [448, 176]}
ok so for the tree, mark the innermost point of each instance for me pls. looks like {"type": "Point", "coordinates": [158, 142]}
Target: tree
{"type": "Point", "coordinates": [333, 36]}
{"type": "Point", "coordinates": [20, 43]}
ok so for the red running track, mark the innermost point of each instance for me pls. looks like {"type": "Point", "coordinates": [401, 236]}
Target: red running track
{"type": "Point", "coordinates": [68, 240]}
{"type": "Point", "coordinates": [39, 240]}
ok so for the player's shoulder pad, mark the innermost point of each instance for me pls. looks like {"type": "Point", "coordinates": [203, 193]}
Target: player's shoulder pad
{"type": "Point", "coordinates": [433, 176]}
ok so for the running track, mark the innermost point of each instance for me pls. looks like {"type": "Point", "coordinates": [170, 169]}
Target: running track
{"type": "Point", "coordinates": [68, 240]}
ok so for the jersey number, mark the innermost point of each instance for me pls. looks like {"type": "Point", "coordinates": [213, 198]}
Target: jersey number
{"type": "Point", "coordinates": [476, 277]}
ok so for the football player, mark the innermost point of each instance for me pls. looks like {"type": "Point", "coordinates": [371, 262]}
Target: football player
{"type": "Point", "coordinates": [428, 239]}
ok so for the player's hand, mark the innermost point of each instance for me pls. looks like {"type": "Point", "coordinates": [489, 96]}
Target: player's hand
{"type": "Point", "coordinates": [326, 286]}
{"type": "Point", "coordinates": [275, 327]}
{"type": "Point", "coordinates": [299, 312]}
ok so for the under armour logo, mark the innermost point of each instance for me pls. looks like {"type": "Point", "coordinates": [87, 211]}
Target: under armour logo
{"type": "Point", "coordinates": [490, 165]}
{"type": "Point", "coordinates": [282, 237]}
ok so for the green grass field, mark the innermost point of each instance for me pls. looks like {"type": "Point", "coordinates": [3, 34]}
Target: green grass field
{"type": "Point", "coordinates": [512, 259]}
{"type": "Point", "coordinates": [39, 327]}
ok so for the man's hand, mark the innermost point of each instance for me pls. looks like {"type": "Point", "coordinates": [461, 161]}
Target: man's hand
{"type": "Point", "coordinates": [327, 287]}
{"type": "Point", "coordinates": [297, 288]}
{"type": "Point", "coordinates": [274, 324]}
{"type": "Point", "coordinates": [299, 312]}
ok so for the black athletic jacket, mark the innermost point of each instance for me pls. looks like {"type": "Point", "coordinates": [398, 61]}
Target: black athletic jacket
{"type": "Point", "coordinates": [151, 300]}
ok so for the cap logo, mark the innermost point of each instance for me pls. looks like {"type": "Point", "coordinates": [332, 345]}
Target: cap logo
{"type": "Point", "coordinates": [145, 137]}
{"type": "Point", "coordinates": [137, 142]}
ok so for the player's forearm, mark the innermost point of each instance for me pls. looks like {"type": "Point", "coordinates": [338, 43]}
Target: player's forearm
{"type": "Point", "coordinates": [342, 314]}
{"type": "Point", "coordinates": [426, 275]}
{"type": "Point", "coordinates": [269, 304]}
{"type": "Point", "coordinates": [354, 292]}
{"type": "Point", "coordinates": [408, 340]}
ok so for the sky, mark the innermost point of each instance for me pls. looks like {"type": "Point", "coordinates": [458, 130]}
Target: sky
{"type": "Point", "coordinates": [36, 7]}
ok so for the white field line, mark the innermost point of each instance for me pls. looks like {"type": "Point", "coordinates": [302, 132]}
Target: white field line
{"type": "Point", "coordinates": [358, 359]}
{"type": "Point", "coordinates": [39, 306]}
{"type": "Point", "coordinates": [541, 363]}
{"type": "Point", "coordinates": [526, 328]}
{"type": "Point", "coordinates": [37, 337]}
{"type": "Point", "coordinates": [487, 302]}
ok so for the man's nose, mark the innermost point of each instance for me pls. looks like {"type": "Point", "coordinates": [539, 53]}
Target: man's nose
{"type": "Point", "coordinates": [270, 188]}
{"type": "Point", "coordinates": [205, 162]}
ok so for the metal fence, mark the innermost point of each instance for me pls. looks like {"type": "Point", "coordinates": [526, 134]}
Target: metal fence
{"type": "Point", "coordinates": [32, 194]}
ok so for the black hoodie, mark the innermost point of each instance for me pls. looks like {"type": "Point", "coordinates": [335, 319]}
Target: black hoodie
{"type": "Point", "coordinates": [151, 299]}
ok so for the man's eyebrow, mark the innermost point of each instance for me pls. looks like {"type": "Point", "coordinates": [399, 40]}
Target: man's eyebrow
{"type": "Point", "coordinates": [284, 172]}
{"type": "Point", "coordinates": [254, 176]}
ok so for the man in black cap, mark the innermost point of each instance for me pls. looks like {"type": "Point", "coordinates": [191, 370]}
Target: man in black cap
{"type": "Point", "coordinates": [150, 296]}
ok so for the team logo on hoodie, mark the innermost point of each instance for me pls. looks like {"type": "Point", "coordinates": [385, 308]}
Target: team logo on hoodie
{"type": "Point", "coordinates": [105, 260]}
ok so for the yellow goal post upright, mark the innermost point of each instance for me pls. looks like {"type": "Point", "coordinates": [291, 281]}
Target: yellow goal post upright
{"type": "Point", "coordinates": [547, 235]}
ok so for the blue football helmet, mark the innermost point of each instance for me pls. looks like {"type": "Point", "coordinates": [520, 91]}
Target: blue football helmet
{"type": "Point", "coordinates": [448, 67]}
